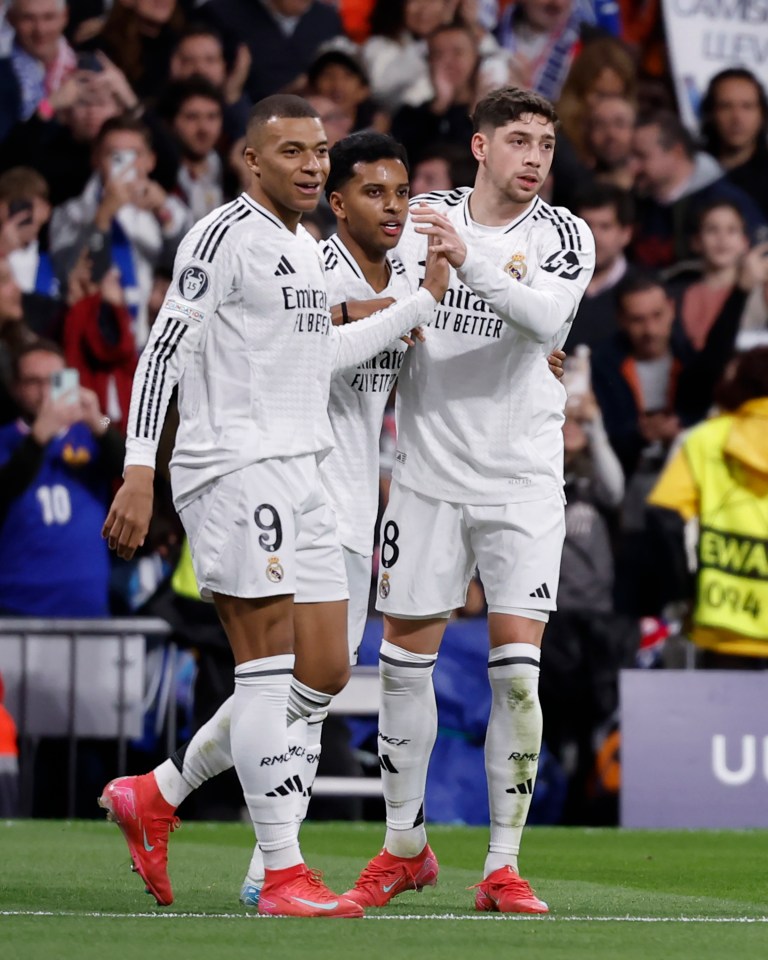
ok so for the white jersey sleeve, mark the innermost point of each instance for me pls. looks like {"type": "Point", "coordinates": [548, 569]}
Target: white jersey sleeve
{"type": "Point", "coordinates": [195, 294]}
{"type": "Point", "coordinates": [541, 310]}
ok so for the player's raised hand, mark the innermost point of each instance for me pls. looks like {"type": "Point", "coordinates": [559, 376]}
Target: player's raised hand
{"type": "Point", "coordinates": [128, 519]}
{"type": "Point", "coordinates": [438, 274]}
{"type": "Point", "coordinates": [436, 225]}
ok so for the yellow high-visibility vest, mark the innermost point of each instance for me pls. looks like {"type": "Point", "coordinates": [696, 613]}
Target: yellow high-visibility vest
{"type": "Point", "coordinates": [183, 580]}
{"type": "Point", "coordinates": [727, 458]}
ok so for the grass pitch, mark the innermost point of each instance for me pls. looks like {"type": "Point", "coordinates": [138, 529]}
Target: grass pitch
{"type": "Point", "coordinates": [66, 892]}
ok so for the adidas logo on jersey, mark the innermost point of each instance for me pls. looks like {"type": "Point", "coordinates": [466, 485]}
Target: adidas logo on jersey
{"type": "Point", "coordinates": [284, 268]}
{"type": "Point", "coordinates": [541, 592]}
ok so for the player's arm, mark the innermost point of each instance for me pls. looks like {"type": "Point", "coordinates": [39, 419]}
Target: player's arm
{"type": "Point", "coordinates": [358, 342]}
{"type": "Point", "coordinates": [539, 311]}
{"type": "Point", "coordinates": [193, 297]}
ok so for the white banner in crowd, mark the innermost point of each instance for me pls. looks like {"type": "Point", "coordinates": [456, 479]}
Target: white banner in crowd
{"type": "Point", "coordinates": [707, 36]}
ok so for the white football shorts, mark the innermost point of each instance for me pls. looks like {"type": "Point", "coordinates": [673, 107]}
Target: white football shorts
{"type": "Point", "coordinates": [430, 549]}
{"type": "Point", "coordinates": [267, 530]}
{"type": "Point", "coordinates": [359, 582]}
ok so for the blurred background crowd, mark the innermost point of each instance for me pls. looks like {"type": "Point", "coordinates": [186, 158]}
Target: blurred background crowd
{"type": "Point", "coordinates": [121, 123]}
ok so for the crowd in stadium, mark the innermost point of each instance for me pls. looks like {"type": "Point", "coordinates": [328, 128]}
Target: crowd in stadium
{"type": "Point", "coordinates": [123, 123]}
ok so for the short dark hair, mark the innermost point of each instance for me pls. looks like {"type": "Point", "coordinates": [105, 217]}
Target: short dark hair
{"type": "Point", "coordinates": [712, 141]}
{"type": "Point", "coordinates": [746, 380]}
{"type": "Point", "coordinates": [178, 92]}
{"type": "Point", "coordinates": [340, 58]}
{"type": "Point", "coordinates": [637, 281]}
{"type": "Point", "coordinates": [596, 196]}
{"type": "Point", "coordinates": [123, 124]}
{"type": "Point", "coordinates": [506, 104]}
{"type": "Point", "coordinates": [365, 147]}
{"type": "Point", "coordinates": [672, 131]}
{"type": "Point", "coordinates": [33, 346]}
{"type": "Point", "coordinates": [284, 106]}
{"type": "Point", "coordinates": [198, 29]}
{"type": "Point", "coordinates": [462, 166]}
{"type": "Point", "coordinates": [706, 208]}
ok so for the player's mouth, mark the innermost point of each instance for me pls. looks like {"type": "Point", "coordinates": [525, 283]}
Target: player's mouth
{"type": "Point", "coordinates": [528, 181]}
{"type": "Point", "coordinates": [392, 228]}
{"type": "Point", "coordinates": [310, 188]}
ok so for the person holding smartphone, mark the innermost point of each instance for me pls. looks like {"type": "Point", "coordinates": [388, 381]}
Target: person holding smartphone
{"type": "Point", "coordinates": [57, 463]}
{"type": "Point", "coordinates": [123, 218]}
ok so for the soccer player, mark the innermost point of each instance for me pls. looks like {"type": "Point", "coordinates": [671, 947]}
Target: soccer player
{"type": "Point", "coordinates": [246, 331]}
{"type": "Point", "coordinates": [478, 482]}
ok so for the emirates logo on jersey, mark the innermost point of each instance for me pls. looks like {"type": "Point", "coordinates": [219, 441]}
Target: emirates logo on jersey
{"type": "Point", "coordinates": [193, 283]}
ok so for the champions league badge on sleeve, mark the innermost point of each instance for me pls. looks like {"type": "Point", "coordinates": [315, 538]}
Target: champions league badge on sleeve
{"type": "Point", "coordinates": [193, 283]}
{"type": "Point", "coordinates": [516, 266]}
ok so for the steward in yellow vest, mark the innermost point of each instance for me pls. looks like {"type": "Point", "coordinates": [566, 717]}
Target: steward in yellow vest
{"type": "Point", "coordinates": [720, 477]}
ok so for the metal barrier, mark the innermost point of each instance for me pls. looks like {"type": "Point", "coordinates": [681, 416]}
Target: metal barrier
{"type": "Point", "coordinates": [46, 695]}
{"type": "Point", "coordinates": [45, 687]}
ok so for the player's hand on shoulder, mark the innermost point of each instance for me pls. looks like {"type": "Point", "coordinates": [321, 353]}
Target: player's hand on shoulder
{"type": "Point", "coordinates": [128, 519]}
{"type": "Point", "coordinates": [435, 225]}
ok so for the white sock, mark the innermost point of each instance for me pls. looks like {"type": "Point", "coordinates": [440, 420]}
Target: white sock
{"type": "Point", "coordinates": [268, 773]}
{"type": "Point", "coordinates": [307, 708]}
{"type": "Point", "coordinates": [407, 732]}
{"type": "Point", "coordinates": [206, 755]}
{"type": "Point", "coordinates": [512, 746]}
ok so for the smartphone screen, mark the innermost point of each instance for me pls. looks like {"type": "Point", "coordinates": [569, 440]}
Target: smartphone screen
{"type": "Point", "coordinates": [65, 385]}
{"type": "Point", "coordinates": [122, 164]}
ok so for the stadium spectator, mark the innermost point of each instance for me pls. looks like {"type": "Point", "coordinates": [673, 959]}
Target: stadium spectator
{"type": "Point", "coordinates": [122, 217]}
{"type": "Point", "coordinates": [200, 51]}
{"type": "Point", "coordinates": [139, 36]}
{"type": "Point", "coordinates": [282, 37]}
{"type": "Point", "coordinates": [24, 200]}
{"type": "Point", "coordinates": [59, 144]}
{"type": "Point", "coordinates": [395, 55]}
{"type": "Point", "coordinates": [194, 112]}
{"type": "Point", "coordinates": [13, 334]}
{"type": "Point", "coordinates": [337, 122]}
{"type": "Point", "coordinates": [542, 37]}
{"type": "Point", "coordinates": [338, 74]}
{"type": "Point", "coordinates": [443, 166]}
{"type": "Point", "coordinates": [604, 68]}
{"type": "Point", "coordinates": [99, 344]}
{"type": "Point", "coordinates": [734, 128]}
{"type": "Point", "coordinates": [673, 181]}
{"type": "Point", "coordinates": [608, 141]}
{"type": "Point", "coordinates": [58, 461]}
{"type": "Point", "coordinates": [587, 642]}
{"type": "Point", "coordinates": [40, 60]}
{"type": "Point", "coordinates": [608, 211]}
{"type": "Point", "coordinates": [719, 477]}
{"type": "Point", "coordinates": [453, 69]}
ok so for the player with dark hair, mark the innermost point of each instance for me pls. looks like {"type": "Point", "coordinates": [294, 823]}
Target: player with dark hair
{"type": "Point", "coordinates": [247, 333]}
{"type": "Point", "coordinates": [478, 483]}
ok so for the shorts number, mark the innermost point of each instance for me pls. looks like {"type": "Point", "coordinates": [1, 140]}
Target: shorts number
{"type": "Point", "coordinates": [270, 525]}
{"type": "Point", "coordinates": [389, 548]}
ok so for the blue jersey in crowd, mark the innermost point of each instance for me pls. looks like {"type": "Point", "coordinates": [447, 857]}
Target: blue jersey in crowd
{"type": "Point", "coordinates": [53, 561]}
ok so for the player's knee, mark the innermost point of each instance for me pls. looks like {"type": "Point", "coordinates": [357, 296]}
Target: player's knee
{"type": "Point", "coordinates": [338, 678]}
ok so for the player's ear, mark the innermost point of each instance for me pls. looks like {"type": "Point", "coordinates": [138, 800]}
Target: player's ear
{"type": "Point", "coordinates": [252, 161]}
{"type": "Point", "coordinates": [479, 146]}
{"type": "Point", "coordinates": [336, 202]}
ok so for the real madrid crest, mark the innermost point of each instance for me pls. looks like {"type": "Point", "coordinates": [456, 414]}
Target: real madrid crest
{"type": "Point", "coordinates": [384, 586]}
{"type": "Point", "coordinates": [275, 572]}
{"type": "Point", "coordinates": [516, 267]}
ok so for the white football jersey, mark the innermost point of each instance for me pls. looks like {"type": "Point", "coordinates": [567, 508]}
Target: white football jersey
{"type": "Point", "coordinates": [350, 472]}
{"type": "Point", "coordinates": [246, 332]}
{"type": "Point", "coordinates": [479, 415]}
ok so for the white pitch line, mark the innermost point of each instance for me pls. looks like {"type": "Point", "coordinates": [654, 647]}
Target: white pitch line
{"type": "Point", "coordinates": [95, 915]}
